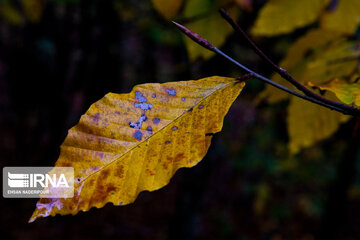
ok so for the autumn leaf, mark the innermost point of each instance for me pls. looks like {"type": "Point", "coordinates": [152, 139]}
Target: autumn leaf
{"type": "Point", "coordinates": [128, 143]}
{"type": "Point", "coordinates": [309, 123]}
{"type": "Point", "coordinates": [343, 17]}
{"type": "Point", "coordinates": [348, 93]}
{"type": "Point", "coordinates": [167, 8]}
{"type": "Point", "coordinates": [315, 57]}
{"type": "Point", "coordinates": [296, 60]}
{"type": "Point", "coordinates": [207, 22]}
{"type": "Point", "coordinates": [284, 16]}
{"type": "Point", "coordinates": [339, 58]}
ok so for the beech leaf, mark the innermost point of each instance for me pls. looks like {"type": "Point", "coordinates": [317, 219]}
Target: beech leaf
{"type": "Point", "coordinates": [309, 123]}
{"type": "Point", "coordinates": [343, 17]}
{"type": "Point", "coordinates": [314, 57]}
{"type": "Point", "coordinates": [129, 143]}
{"type": "Point", "coordinates": [284, 16]}
{"type": "Point", "coordinates": [348, 93]}
{"type": "Point", "coordinates": [296, 61]}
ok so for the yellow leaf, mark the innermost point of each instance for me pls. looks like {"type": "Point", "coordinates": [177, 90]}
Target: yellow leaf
{"type": "Point", "coordinates": [297, 59]}
{"type": "Point", "coordinates": [309, 123]}
{"type": "Point", "coordinates": [284, 16]}
{"type": "Point", "coordinates": [10, 14]}
{"type": "Point", "coordinates": [344, 18]}
{"type": "Point", "coordinates": [337, 59]}
{"type": "Point", "coordinates": [33, 9]}
{"type": "Point", "coordinates": [346, 92]}
{"type": "Point", "coordinates": [167, 8]}
{"type": "Point", "coordinates": [314, 57]}
{"type": "Point", "coordinates": [128, 143]}
{"type": "Point", "coordinates": [207, 22]}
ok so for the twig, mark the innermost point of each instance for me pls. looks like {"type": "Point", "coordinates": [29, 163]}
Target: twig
{"type": "Point", "coordinates": [283, 72]}
{"type": "Point", "coordinates": [245, 77]}
{"type": "Point", "coordinates": [206, 44]}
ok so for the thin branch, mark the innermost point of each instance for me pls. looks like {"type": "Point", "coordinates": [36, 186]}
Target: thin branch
{"type": "Point", "coordinates": [206, 44]}
{"type": "Point", "coordinates": [245, 77]}
{"type": "Point", "coordinates": [281, 87]}
{"type": "Point", "coordinates": [283, 73]}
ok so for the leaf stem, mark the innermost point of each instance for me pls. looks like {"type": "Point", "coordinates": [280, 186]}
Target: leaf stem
{"type": "Point", "coordinates": [206, 44]}
{"type": "Point", "coordinates": [283, 72]}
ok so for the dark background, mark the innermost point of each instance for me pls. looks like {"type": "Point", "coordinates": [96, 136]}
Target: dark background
{"type": "Point", "coordinates": [247, 187]}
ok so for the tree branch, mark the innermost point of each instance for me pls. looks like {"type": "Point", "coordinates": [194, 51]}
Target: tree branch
{"type": "Point", "coordinates": [283, 72]}
{"type": "Point", "coordinates": [206, 44]}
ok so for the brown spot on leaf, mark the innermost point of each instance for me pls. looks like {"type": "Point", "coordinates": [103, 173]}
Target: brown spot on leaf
{"type": "Point", "coordinates": [104, 174]}
{"type": "Point", "coordinates": [91, 182]}
{"type": "Point", "coordinates": [111, 188]}
{"type": "Point", "coordinates": [119, 171]}
{"type": "Point", "coordinates": [179, 157]}
{"type": "Point", "coordinates": [149, 172]}
{"type": "Point", "coordinates": [100, 193]}
{"type": "Point", "coordinates": [165, 165]}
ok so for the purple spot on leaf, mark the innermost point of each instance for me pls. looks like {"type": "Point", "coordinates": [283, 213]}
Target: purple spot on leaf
{"type": "Point", "coordinates": [183, 99]}
{"type": "Point", "coordinates": [174, 128]}
{"type": "Point", "coordinates": [201, 106]}
{"type": "Point", "coordinates": [167, 142]}
{"type": "Point", "coordinates": [143, 106]}
{"type": "Point", "coordinates": [96, 118]}
{"type": "Point", "coordinates": [139, 123]}
{"type": "Point", "coordinates": [140, 97]}
{"type": "Point", "coordinates": [138, 135]}
{"type": "Point", "coordinates": [156, 120]}
{"type": "Point", "coordinates": [154, 95]}
{"type": "Point", "coordinates": [190, 110]}
{"type": "Point", "coordinates": [149, 129]}
{"type": "Point", "coordinates": [171, 92]}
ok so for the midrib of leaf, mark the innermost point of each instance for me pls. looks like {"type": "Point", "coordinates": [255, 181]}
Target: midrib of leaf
{"type": "Point", "coordinates": [176, 119]}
